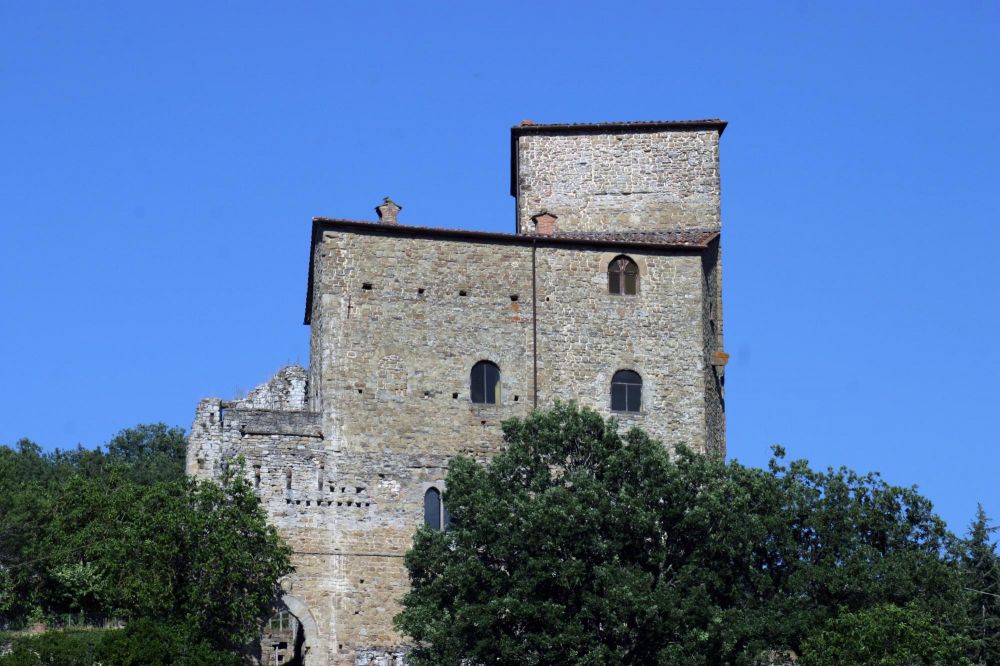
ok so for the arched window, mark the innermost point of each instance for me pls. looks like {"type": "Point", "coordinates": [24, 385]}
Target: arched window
{"type": "Point", "coordinates": [484, 383]}
{"type": "Point", "coordinates": [623, 276]}
{"type": "Point", "coordinates": [432, 508]}
{"type": "Point", "coordinates": [436, 514]}
{"type": "Point", "coordinates": [626, 391]}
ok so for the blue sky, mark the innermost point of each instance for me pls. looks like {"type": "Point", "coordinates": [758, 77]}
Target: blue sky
{"type": "Point", "coordinates": [161, 162]}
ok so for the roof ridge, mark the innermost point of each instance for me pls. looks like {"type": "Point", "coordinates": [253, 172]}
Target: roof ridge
{"type": "Point", "coordinates": [527, 127]}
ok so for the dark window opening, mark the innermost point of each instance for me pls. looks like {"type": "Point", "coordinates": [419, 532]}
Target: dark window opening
{"type": "Point", "coordinates": [623, 276]}
{"type": "Point", "coordinates": [432, 508]}
{"type": "Point", "coordinates": [366, 286]}
{"type": "Point", "coordinates": [436, 515]}
{"type": "Point", "coordinates": [420, 290]}
{"type": "Point", "coordinates": [484, 382]}
{"type": "Point", "coordinates": [513, 298]}
{"type": "Point", "coordinates": [626, 391]}
{"type": "Point", "coordinates": [463, 293]}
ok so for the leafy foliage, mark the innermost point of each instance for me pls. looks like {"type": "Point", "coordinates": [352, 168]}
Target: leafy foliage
{"type": "Point", "coordinates": [150, 452]}
{"type": "Point", "coordinates": [981, 577]}
{"type": "Point", "coordinates": [67, 648]}
{"type": "Point", "coordinates": [886, 635]}
{"type": "Point", "coordinates": [579, 546]}
{"type": "Point", "coordinates": [125, 534]}
{"type": "Point", "coordinates": [141, 643]}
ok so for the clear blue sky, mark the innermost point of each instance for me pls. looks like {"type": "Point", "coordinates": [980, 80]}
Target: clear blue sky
{"type": "Point", "coordinates": [160, 164]}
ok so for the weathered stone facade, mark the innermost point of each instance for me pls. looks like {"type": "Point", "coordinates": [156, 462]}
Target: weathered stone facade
{"type": "Point", "coordinates": [343, 454]}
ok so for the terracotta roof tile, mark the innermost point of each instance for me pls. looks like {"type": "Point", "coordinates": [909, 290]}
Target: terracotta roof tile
{"type": "Point", "coordinates": [690, 237]}
{"type": "Point", "coordinates": [695, 238]}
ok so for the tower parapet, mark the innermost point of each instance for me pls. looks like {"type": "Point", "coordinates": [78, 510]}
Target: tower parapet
{"type": "Point", "coordinates": [634, 176]}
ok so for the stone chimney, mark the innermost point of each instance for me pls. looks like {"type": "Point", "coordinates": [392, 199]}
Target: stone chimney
{"type": "Point", "coordinates": [545, 223]}
{"type": "Point", "coordinates": [388, 211]}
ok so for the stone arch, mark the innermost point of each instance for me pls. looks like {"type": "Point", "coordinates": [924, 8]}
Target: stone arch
{"type": "Point", "coordinates": [605, 258]}
{"type": "Point", "coordinates": [314, 655]}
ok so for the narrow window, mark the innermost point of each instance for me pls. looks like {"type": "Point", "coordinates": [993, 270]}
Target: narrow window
{"type": "Point", "coordinates": [485, 383]}
{"type": "Point", "coordinates": [626, 391]}
{"type": "Point", "coordinates": [623, 276]}
{"type": "Point", "coordinates": [432, 508]}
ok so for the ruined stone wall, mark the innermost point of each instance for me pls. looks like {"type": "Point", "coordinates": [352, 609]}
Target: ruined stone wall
{"type": "Point", "coordinates": [624, 179]}
{"type": "Point", "coordinates": [395, 339]}
{"type": "Point", "coordinates": [286, 459]}
{"type": "Point", "coordinates": [342, 455]}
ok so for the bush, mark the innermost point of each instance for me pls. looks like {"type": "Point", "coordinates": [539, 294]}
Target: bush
{"type": "Point", "coordinates": [147, 643]}
{"type": "Point", "coordinates": [142, 643]}
{"type": "Point", "coordinates": [66, 648]}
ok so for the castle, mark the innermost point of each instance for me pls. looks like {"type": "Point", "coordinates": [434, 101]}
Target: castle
{"type": "Point", "coordinates": [423, 339]}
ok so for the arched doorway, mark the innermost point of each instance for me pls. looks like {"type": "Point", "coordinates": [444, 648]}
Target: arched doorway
{"type": "Point", "coordinates": [291, 636]}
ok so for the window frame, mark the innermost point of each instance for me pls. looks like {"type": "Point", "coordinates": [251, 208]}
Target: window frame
{"type": "Point", "coordinates": [440, 505]}
{"type": "Point", "coordinates": [615, 381]}
{"type": "Point", "coordinates": [618, 270]}
{"type": "Point", "coordinates": [443, 517]}
{"type": "Point", "coordinates": [485, 366]}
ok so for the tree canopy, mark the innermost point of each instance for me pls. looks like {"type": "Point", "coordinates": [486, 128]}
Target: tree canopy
{"type": "Point", "coordinates": [125, 535]}
{"type": "Point", "coordinates": [577, 545]}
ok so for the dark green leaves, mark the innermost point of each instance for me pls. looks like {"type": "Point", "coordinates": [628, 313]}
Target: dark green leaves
{"type": "Point", "coordinates": [126, 535]}
{"type": "Point", "coordinates": [579, 546]}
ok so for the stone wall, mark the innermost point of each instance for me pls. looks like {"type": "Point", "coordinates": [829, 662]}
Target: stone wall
{"type": "Point", "coordinates": [401, 323]}
{"type": "Point", "coordinates": [286, 459]}
{"type": "Point", "coordinates": [398, 322]}
{"type": "Point", "coordinates": [619, 178]}
{"type": "Point", "coordinates": [715, 401]}
{"type": "Point", "coordinates": [585, 335]}
{"type": "Point", "coordinates": [343, 454]}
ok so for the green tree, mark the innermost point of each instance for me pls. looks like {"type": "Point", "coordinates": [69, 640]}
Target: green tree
{"type": "Point", "coordinates": [126, 534]}
{"type": "Point", "coordinates": [141, 643]}
{"type": "Point", "coordinates": [886, 635]}
{"type": "Point", "coordinates": [980, 566]}
{"type": "Point", "coordinates": [580, 546]}
{"type": "Point", "coordinates": [197, 554]}
{"type": "Point", "coordinates": [151, 452]}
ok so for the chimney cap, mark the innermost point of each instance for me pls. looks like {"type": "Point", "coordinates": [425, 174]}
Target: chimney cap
{"type": "Point", "coordinates": [388, 210]}
{"type": "Point", "coordinates": [545, 223]}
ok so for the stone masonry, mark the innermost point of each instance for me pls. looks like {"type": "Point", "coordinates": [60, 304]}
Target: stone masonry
{"type": "Point", "coordinates": [343, 453]}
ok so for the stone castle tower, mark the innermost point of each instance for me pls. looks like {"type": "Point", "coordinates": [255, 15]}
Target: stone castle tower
{"type": "Point", "coordinates": [423, 339]}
